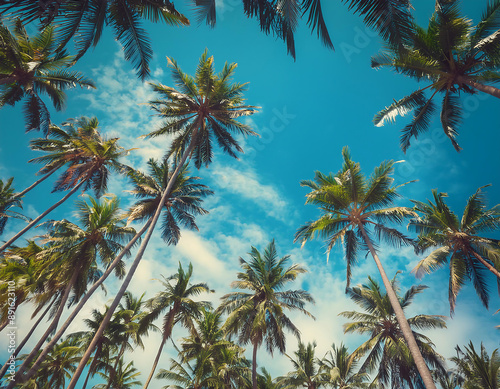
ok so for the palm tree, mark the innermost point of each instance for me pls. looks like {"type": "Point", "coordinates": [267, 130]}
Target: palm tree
{"type": "Point", "coordinates": [177, 297]}
{"type": "Point", "coordinates": [469, 254]}
{"type": "Point", "coordinates": [448, 379]}
{"type": "Point", "coordinates": [340, 366]}
{"type": "Point", "coordinates": [124, 377]}
{"type": "Point", "coordinates": [8, 200]}
{"type": "Point", "coordinates": [455, 56]}
{"type": "Point", "coordinates": [306, 370]}
{"type": "Point", "coordinates": [90, 157]}
{"type": "Point", "coordinates": [350, 202]}
{"type": "Point", "coordinates": [205, 108]}
{"type": "Point", "coordinates": [479, 370]}
{"type": "Point", "coordinates": [31, 66]}
{"type": "Point", "coordinates": [76, 250]}
{"type": "Point", "coordinates": [388, 354]}
{"type": "Point", "coordinates": [258, 316]}
{"type": "Point", "coordinates": [85, 22]}
{"type": "Point", "coordinates": [186, 376]}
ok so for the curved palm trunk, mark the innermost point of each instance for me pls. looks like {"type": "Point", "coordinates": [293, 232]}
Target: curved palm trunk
{"type": "Point", "coordinates": [400, 316]}
{"type": "Point", "coordinates": [491, 90]}
{"type": "Point", "coordinates": [92, 366]}
{"type": "Point", "coordinates": [82, 302]}
{"type": "Point", "coordinates": [40, 217]}
{"type": "Point", "coordinates": [254, 366]}
{"type": "Point", "coordinates": [47, 175]}
{"type": "Point", "coordinates": [3, 370]}
{"type": "Point", "coordinates": [155, 363]}
{"type": "Point", "coordinates": [489, 266]}
{"type": "Point", "coordinates": [18, 377]}
{"type": "Point", "coordinates": [137, 260]}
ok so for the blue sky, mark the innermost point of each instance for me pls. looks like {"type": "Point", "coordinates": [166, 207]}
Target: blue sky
{"type": "Point", "coordinates": [310, 109]}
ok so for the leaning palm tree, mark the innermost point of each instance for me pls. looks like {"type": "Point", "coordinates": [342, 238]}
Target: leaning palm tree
{"type": "Point", "coordinates": [388, 354]}
{"type": "Point", "coordinates": [350, 203]}
{"type": "Point", "coordinates": [457, 240]}
{"type": "Point", "coordinates": [84, 21]}
{"type": "Point", "coordinates": [177, 298]}
{"type": "Point", "coordinates": [258, 316]}
{"type": "Point", "coordinates": [455, 57]}
{"type": "Point", "coordinates": [8, 199]}
{"type": "Point", "coordinates": [479, 370]}
{"type": "Point", "coordinates": [204, 108]}
{"type": "Point", "coordinates": [32, 66]}
{"type": "Point", "coordinates": [90, 158]}
{"type": "Point", "coordinates": [340, 368]}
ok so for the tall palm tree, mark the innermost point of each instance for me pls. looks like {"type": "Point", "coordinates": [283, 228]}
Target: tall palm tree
{"type": "Point", "coordinates": [204, 108]}
{"type": "Point", "coordinates": [350, 203]}
{"type": "Point", "coordinates": [32, 66]}
{"type": "Point", "coordinates": [258, 315]}
{"type": "Point", "coordinates": [125, 377]}
{"type": "Point", "coordinates": [177, 298]}
{"type": "Point", "coordinates": [306, 371]}
{"type": "Point", "coordinates": [455, 56]}
{"type": "Point", "coordinates": [77, 249]}
{"type": "Point", "coordinates": [185, 376]}
{"type": "Point", "coordinates": [478, 369]}
{"type": "Point", "coordinates": [90, 156]}
{"type": "Point", "coordinates": [340, 368]}
{"type": "Point", "coordinates": [85, 21]}
{"type": "Point", "coordinates": [457, 240]}
{"type": "Point", "coordinates": [9, 200]}
{"type": "Point", "coordinates": [388, 354]}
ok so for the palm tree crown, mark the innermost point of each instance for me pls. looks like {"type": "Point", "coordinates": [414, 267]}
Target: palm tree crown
{"type": "Point", "coordinates": [457, 240]}
{"type": "Point", "coordinates": [8, 200]}
{"type": "Point", "coordinates": [455, 56]}
{"type": "Point", "coordinates": [479, 370]}
{"type": "Point", "coordinates": [30, 66]}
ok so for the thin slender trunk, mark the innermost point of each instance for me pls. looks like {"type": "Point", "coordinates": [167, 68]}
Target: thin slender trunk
{"type": "Point", "coordinates": [254, 366]}
{"type": "Point", "coordinates": [136, 262]}
{"type": "Point", "coordinates": [82, 302]}
{"type": "Point", "coordinates": [40, 217]}
{"type": "Point", "coordinates": [47, 175]}
{"type": "Point", "coordinates": [491, 90]}
{"type": "Point", "coordinates": [488, 265]}
{"type": "Point", "coordinates": [115, 366]}
{"type": "Point", "coordinates": [400, 316]}
{"type": "Point", "coordinates": [93, 365]}
{"type": "Point", "coordinates": [47, 333]}
{"type": "Point", "coordinates": [155, 363]}
{"type": "Point", "coordinates": [3, 370]}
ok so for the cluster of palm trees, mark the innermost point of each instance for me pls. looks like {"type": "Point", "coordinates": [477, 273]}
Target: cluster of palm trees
{"type": "Point", "coordinates": [62, 268]}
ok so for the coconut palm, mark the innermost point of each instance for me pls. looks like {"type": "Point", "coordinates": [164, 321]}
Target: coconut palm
{"type": "Point", "coordinates": [458, 241]}
{"type": "Point", "coordinates": [350, 203]}
{"type": "Point", "coordinates": [32, 66]}
{"type": "Point", "coordinates": [76, 251]}
{"type": "Point", "coordinates": [478, 369]}
{"type": "Point", "coordinates": [455, 56]}
{"type": "Point", "coordinates": [388, 354]}
{"type": "Point", "coordinates": [124, 377]}
{"type": "Point", "coordinates": [448, 379]}
{"type": "Point", "coordinates": [177, 298]}
{"type": "Point", "coordinates": [91, 157]}
{"type": "Point", "coordinates": [185, 376]}
{"type": "Point", "coordinates": [85, 21]}
{"type": "Point", "coordinates": [205, 108]}
{"type": "Point", "coordinates": [258, 316]}
{"type": "Point", "coordinates": [9, 200]}
{"type": "Point", "coordinates": [340, 368]}
{"type": "Point", "coordinates": [306, 370]}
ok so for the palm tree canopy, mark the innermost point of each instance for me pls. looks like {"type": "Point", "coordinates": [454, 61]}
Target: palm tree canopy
{"type": "Point", "coordinates": [348, 200]}
{"type": "Point", "coordinates": [32, 66]}
{"type": "Point", "coordinates": [181, 207]}
{"type": "Point", "coordinates": [458, 241]}
{"type": "Point", "coordinates": [340, 369]}
{"type": "Point", "coordinates": [454, 56]}
{"type": "Point", "coordinates": [479, 370]}
{"type": "Point", "coordinates": [8, 200]}
{"type": "Point", "coordinates": [202, 108]}
{"type": "Point", "coordinates": [258, 315]}
{"type": "Point", "coordinates": [388, 353]}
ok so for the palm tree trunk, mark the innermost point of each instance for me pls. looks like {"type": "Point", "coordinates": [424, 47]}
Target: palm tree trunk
{"type": "Point", "coordinates": [400, 316]}
{"type": "Point", "coordinates": [254, 366]}
{"type": "Point", "coordinates": [115, 366]}
{"type": "Point", "coordinates": [155, 363]}
{"type": "Point", "coordinates": [18, 377]}
{"type": "Point", "coordinates": [488, 265]}
{"type": "Point", "coordinates": [130, 274]}
{"type": "Point", "coordinates": [47, 175]}
{"type": "Point", "coordinates": [491, 90]}
{"type": "Point", "coordinates": [93, 365]}
{"type": "Point", "coordinates": [41, 216]}
{"type": "Point", "coordinates": [3, 370]}
{"type": "Point", "coordinates": [82, 302]}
